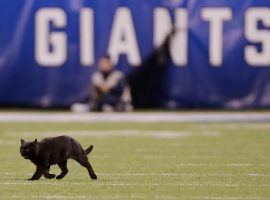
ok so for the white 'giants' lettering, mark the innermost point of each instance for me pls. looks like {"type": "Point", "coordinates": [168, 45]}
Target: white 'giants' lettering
{"type": "Point", "coordinates": [87, 37]}
{"type": "Point", "coordinates": [253, 56]}
{"type": "Point", "coordinates": [216, 18]}
{"type": "Point", "coordinates": [123, 38]}
{"type": "Point", "coordinates": [50, 47]}
{"type": "Point", "coordinates": [51, 42]}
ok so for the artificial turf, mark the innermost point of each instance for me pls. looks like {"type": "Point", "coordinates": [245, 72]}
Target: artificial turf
{"type": "Point", "coordinates": [145, 161]}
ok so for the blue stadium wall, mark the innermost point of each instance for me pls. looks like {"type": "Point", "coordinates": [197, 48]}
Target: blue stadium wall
{"type": "Point", "coordinates": [220, 55]}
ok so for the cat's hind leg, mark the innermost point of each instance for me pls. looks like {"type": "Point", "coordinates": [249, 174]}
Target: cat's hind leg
{"type": "Point", "coordinates": [46, 173]}
{"type": "Point", "coordinates": [84, 162]}
{"type": "Point", "coordinates": [64, 169]}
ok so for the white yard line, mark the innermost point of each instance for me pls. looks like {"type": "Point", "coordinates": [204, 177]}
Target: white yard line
{"type": "Point", "coordinates": [138, 197]}
{"type": "Point", "coordinates": [8, 142]}
{"type": "Point", "coordinates": [121, 133]}
{"type": "Point", "coordinates": [165, 197]}
{"type": "Point", "coordinates": [229, 198]}
{"type": "Point", "coordinates": [231, 165]}
{"type": "Point", "coordinates": [135, 117]}
{"type": "Point", "coordinates": [79, 197]}
{"type": "Point", "coordinates": [187, 174]}
{"type": "Point", "coordinates": [140, 184]}
{"type": "Point", "coordinates": [164, 174]}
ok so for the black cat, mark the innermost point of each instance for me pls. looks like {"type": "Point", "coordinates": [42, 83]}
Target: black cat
{"type": "Point", "coordinates": [52, 151]}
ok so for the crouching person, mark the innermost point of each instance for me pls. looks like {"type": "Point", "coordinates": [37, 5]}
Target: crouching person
{"type": "Point", "coordinates": [109, 90]}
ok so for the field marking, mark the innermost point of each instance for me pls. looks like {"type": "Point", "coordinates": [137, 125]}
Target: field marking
{"type": "Point", "coordinates": [185, 174]}
{"type": "Point", "coordinates": [230, 198]}
{"type": "Point", "coordinates": [143, 117]}
{"type": "Point", "coordinates": [140, 184]}
{"type": "Point", "coordinates": [29, 183]}
{"type": "Point", "coordinates": [138, 197]}
{"type": "Point", "coordinates": [161, 174]}
{"type": "Point", "coordinates": [53, 197]}
{"type": "Point", "coordinates": [201, 157]}
{"type": "Point", "coordinates": [203, 165]}
{"type": "Point", "coordinates": [121, 133]}
{"type": "Point", "coordinates": [183, 184]}
{"type": "Point", "coordinates": [9, 142]}
{"type": "Point", "coordinates": [81, 197]}
{"type": "Point", "coordinates": [100, 155]}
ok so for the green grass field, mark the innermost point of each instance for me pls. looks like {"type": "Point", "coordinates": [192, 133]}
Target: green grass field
{"type": "Point", "coordinates": [145, 161]}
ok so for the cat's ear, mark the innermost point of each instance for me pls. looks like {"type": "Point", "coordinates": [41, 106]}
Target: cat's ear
{"type": "Point", "coordinates": [22, 141]}
{"type": "Point", "coordinates": [36, 143]}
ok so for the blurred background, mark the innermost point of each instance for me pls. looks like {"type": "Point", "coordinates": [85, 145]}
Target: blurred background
{"type": "Point", "coordinates": [198, 54]}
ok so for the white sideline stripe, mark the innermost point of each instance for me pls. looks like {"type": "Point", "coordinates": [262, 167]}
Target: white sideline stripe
{"type": "Point", "coordinates": [135, 117]}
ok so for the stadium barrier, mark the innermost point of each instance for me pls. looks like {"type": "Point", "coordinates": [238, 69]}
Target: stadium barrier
{"type": "Point", "coordinates": [220, 54]}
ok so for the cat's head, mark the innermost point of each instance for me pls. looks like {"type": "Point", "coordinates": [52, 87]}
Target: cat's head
{"type": "Point", "coordinates": [29, 150]}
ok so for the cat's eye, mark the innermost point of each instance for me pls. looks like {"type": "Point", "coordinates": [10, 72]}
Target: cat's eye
{"type": "Point", "coordinates": [24, 149]}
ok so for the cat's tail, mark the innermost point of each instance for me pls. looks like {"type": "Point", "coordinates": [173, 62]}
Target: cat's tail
{"type": "Point", "coordinates": [89, 149]}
